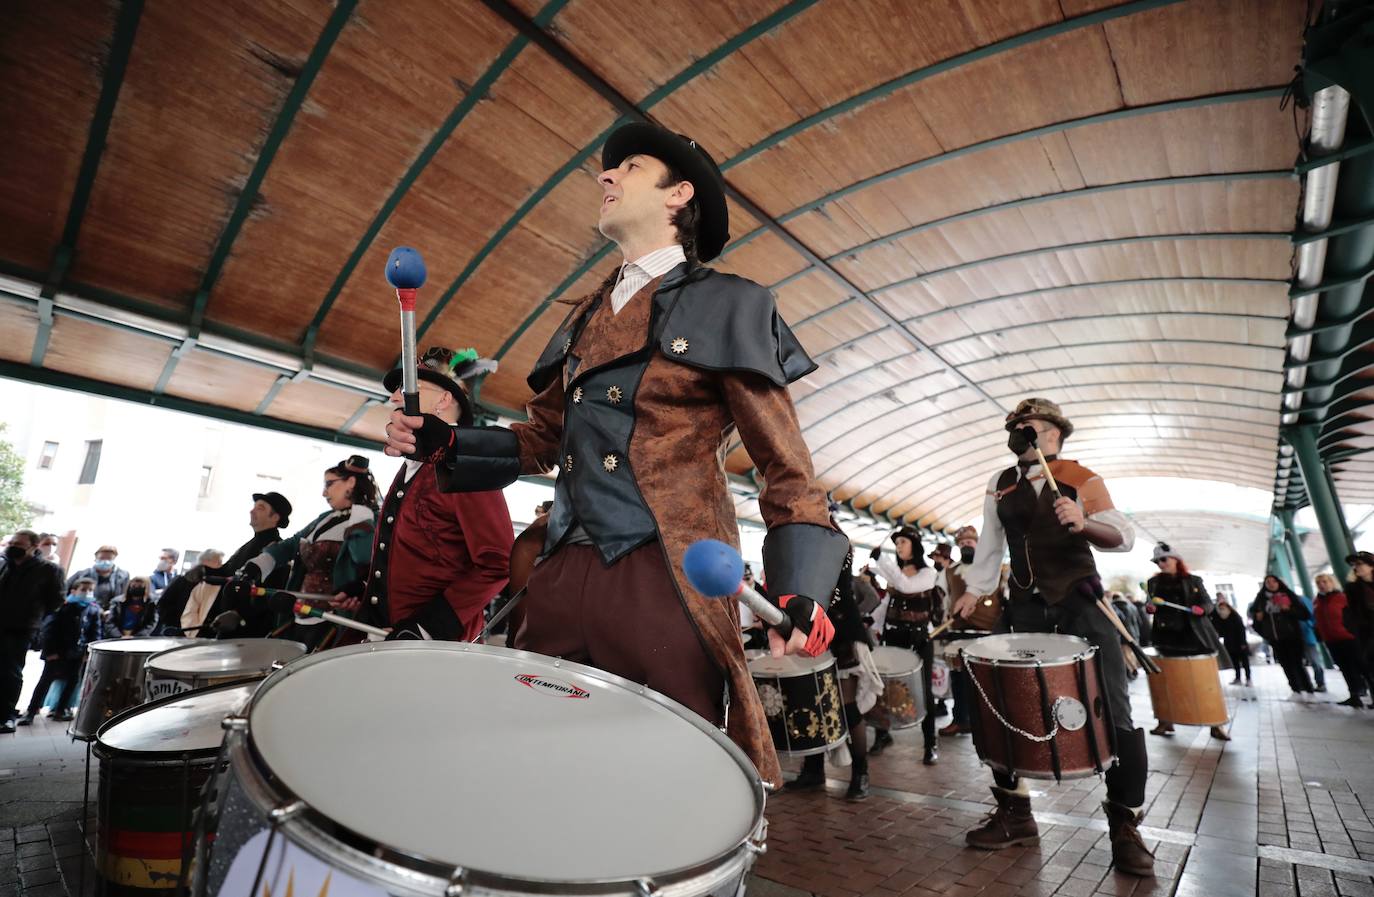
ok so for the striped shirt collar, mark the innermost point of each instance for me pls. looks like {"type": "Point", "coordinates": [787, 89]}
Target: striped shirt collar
{"type": "Point", "coordinates": [634, 275]}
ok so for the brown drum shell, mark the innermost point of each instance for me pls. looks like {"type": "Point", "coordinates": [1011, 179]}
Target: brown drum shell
{"type": "Point", "coordinates": [986, 614]}
{"type": "Point", "coordinates": [1188, 691]}
{"type": "Point", "coordinates": [1017, 691]}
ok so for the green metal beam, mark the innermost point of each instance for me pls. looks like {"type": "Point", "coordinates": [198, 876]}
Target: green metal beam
{"type": "Point", "coordinates": [1290, 535]}
{"type": "Point", "coordinates": [667, 89]}
{"type": "Point", "coordinates": [367, 405]}
{"type": "Point", "coordinates": [1320, 493]}
{"type": "Point", "coordinates": [63, 380]}
{"type": "Point", "coordinates": [116, 64]}
{"type": "Point", "coordinates": [474, 95]}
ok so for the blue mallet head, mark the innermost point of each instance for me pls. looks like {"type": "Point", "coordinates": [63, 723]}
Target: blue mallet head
{"type": "Point", "coordinates": [713, 568]}
{"type": "Point", "coordinates": [405, 270]}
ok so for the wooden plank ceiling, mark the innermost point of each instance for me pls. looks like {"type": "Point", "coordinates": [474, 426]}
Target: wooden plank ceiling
{"type": "Point", "coordinates": [958, 203]}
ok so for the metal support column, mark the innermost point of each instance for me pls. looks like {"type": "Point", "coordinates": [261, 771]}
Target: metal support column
{"type": "Point", "coordinates": [1290, 535]}
{"type": "Point", "coordinates": [1322, 496]}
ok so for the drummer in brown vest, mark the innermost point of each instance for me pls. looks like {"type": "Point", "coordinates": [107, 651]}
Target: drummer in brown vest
{"type": "Point", "coordinates": [1054, 587]}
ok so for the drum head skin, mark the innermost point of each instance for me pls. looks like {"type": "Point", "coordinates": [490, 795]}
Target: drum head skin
{"type": "Point", "coordinates": [896, 661]}
{"type": "Point", "coordinates": [153, 644]}
{"type": "Point", "coordinates": [503, 762]}
{"type": "Point", "coordinates": [1027, 648]}
{"type": "Point", "coordinates": [185, 724]}
{"type": "Point", "coordinates": [220, 658]}
{"type": "Point", "coordinates": [788, 666]}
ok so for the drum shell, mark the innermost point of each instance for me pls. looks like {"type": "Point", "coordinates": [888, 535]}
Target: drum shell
{"type": "Point", "coordinates": [113, 681]}
{"type": "Point", "coordinates": [986, 613]}
{"type": "Point", "coordinates": [902, 704]}
{"type": "Point", "coordinates": [1022, 701]}
{"type": "Point", "coordinates": [1188, 691]}
{"type": "Point", "coordinates": [162, 680]}
{"type": "Point", "coordinates": [805, 711]}
{"type": "Point", "coordinates": [251, 797]}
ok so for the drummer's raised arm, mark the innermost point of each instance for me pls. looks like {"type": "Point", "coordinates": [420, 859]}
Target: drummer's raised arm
{"type": "Point", "coordinates": [986, 572]}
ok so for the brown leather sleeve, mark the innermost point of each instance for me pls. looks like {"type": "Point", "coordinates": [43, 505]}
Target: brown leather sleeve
{"type": "Point", "coordinates": [541, 434]}
{"type": "Point", "coordinates": [767, 424]}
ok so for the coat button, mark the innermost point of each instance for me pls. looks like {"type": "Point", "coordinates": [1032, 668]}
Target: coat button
{"type": "Point", "coordinates": [374, 599]}
{"type": "Point", "coordinates": [610, 462]}
{"type": "Point", "coordinates": [577, 395]}
{"type": "Point", "coordinates": [678, 346]}
{"type": "Point", "coordinates": [568, 464]}
{"type": "Point", "coordinates": [381, 546]}
{"type": "Point", "coordinates": [376, 574]}
{"type": "Point", "coordinates": [391, 520]}
{"type": "Point", "coordinates": [400, 494]}
{"type": "Point", "coordinates": [614, 395]}
{"type": "Point", "coordinates": [567, 344]}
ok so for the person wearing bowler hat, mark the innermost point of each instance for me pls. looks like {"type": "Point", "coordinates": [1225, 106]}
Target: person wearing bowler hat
{"type": "Point", "coordinates": [1054, 587]}
{"type": "Point", "coordinates": [1178, 633]}
{"type": "Point", "coordinates": [914, 604]}
{"type": "Point", "coordinates": [438, 558]}
{"type": "Point", "coordinates": [270, 513]}
{"type": "Point", "coordinates": [634, 399]}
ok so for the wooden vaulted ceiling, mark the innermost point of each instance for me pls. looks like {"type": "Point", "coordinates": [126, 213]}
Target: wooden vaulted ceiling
{"type": "Point", "coordinates": [958, 203]}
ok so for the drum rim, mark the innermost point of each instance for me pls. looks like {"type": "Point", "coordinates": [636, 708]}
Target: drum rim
{"type": "Point", "coordinates": [833, 661]}
{"type": "Point", "coordinates": [269, 795]}
{"type": "Point", "coordinates": [105, 751]}
{"type": "Point", "coordinates": [1087, 649]}
{"type": "Point", "coordinates": [149, 664]}
{"type": "Point", "coordinates": [898, 674]}
{"type": "Point", "coordinates": [109, 645]}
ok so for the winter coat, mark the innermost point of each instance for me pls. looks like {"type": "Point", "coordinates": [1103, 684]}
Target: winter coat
{"type": "Point", "coordinates": [116, 582]}
{"type": "Point", "coordinates": [68, 630]}
{"type": "Point", "coordinates": [1232, 632]}
{"type": "Point", "coordinates": [28, 591]}
{"type": "Point", "coordinates": [1176, 632]}
{"type": "Point", "coordinates": [1333, 618]}
{"type": "Point", "coordinates": [1279, 624]}
{"type": "Point", "coordinates": [123, 619]}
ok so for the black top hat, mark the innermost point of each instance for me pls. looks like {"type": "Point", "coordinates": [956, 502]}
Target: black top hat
{"type": "Point", "coordinates": [277, 502]}
{"type": "Point", "coordinates": [907, 532]}
{"type": "Point", "coordinates": [447, 368]}
{"type": "Point", "coordinates": [1361, 557]}
{"type": "Point", "coordinates": [694, 163]}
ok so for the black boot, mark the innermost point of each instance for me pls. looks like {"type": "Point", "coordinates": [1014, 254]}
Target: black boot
{"type": "Point", "coordinates": [1129, 854]}
{"type": "Point", "coordinates": [858, 780]}
{"type": "Point", "coordinates": [1008, 825]}
{"type": "Point", "coordinates": [812, 775]}
{"type": "Point", "coordinates": [931, 755]}
{"type": "Point", "coordinates": [881, 742]}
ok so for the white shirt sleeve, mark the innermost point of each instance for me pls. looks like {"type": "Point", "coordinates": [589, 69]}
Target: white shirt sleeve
{"type": "Point", "coordinates": [922, 581]}
{"type": "Point", "coordinates": [1119, 522]}
{"type": "Point", "coordinates": [984, 574]}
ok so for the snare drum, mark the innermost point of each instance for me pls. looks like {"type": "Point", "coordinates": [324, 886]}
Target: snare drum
{"type": "Point", "coordinates": [801, 699]}
{"type": "Point", "coordinates": [154, 761]}
{"type": "Point", "coordinates": [209, 663]}
{"type": "Point", "coordinates": [367, 771]}
{"type": "Point", "coordinates": [903, 702]}
{"type": "Point", "coordinates": [1042, 708]}
{"type": "Point", "coordinates": [1188, 691]}
{"type": "Point", "coordinates": [114, 679]}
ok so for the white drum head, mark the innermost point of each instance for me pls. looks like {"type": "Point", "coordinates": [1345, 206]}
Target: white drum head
{"type": "Point", "coordinates": [500, 761]}
{"type": "Point", "coordinates": [151, 644]}
{"type": "Point", "coordinates": [224, 658]}
{"type": "Point", "coordinates": [185, 725]}
{"type": "Point", "coordinates": [1027, 648]}
{"type": "Point", "coordinates": [896, 661]}
{"type": "Point", "coordinates": [788, 666]}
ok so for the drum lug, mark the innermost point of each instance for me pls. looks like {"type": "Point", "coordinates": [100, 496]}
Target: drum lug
{"type": "Point", "coordinates": [457, 882]}
{"type": "Point", "coordinates": [286, 811]}
{"type": "Point", "coordinates": [646, 887]}
{"type": "Point", "coordinates": [234, 723]}
{"type": "Point", "coordinates": [757, 848]}
{"type": "Point", "coordinates": [277, 665]}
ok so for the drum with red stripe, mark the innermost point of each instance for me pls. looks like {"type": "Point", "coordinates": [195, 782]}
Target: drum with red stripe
{"type": "Point", "coordinates": [154, 762]}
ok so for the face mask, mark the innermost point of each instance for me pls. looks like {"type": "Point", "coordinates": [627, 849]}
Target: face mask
{"type": "Point", "coordinates": [78, 598]}
{"type": "Point", "coordinates": [104, 566]}
{"type": "Point", "coordinates": [966, 555]}
{"type": "Point", "coordinates": [137, 592]}
{"type": "Point", "coordinates": [15, 554]}
{"type": "Point", "coordinates": [1018, 441]}
{"type": "Point", "coordinates": [164, 566]}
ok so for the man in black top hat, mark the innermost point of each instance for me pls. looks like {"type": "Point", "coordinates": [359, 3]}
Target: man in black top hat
{"type": "Point", "coordinates": [634, 399]}
{"type": "Point", "coordinates": [270, 513]}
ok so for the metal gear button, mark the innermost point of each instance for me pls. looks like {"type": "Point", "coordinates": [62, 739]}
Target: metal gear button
{"type": "Point", "coordinates": [679, 346]}
{"type": "Point", "coordinates": [568, 464]}
{"type": "Point", "coordinates": [577, 395]}
{"type": "Point", "coordinates": [614, 395]}
{"type": "Point", "coordinates": [610, 462]}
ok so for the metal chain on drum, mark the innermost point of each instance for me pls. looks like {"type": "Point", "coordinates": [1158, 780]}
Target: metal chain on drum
{"type": "Point", "coordinates": [1054, 713]}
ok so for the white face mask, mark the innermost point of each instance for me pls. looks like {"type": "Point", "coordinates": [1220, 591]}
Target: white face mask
{"type": "Point", "coordinates": [164, 566]}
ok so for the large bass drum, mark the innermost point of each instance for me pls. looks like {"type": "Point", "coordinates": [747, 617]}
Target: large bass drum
{"type": "Point", "coordinates": [440, 768]}
{"type": "Point", "coordinates": [114, 679]}
{"type": "Point", "coordinates": [208, 663]}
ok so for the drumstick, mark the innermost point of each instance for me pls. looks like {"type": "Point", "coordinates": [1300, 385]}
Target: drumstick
{"type": "Point", "coordinates": [1145, 660]}
{"type": "Point", "coordinates": [942, 627]}
{"type": "Point", "coordinates": [305, 610]}
{"type": "Point", "coordinates": [1162, 603]}
{"type": "Point", "coordinates": [716, 570]}
{"type": "Point", "coordinates": [405, 271]}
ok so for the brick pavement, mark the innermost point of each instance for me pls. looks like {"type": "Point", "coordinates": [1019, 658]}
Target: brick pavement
{"type": "Point", "coordinates": [1284, 810]}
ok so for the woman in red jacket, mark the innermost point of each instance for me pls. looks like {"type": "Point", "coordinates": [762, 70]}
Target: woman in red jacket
{"type": "Point", "coordinates": [1335, 621]}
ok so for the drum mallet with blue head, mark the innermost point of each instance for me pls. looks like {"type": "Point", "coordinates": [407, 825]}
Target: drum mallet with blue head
{"type": "Point", "coordinates": [405, 271]}
{"type": "Point", "coordinates": [717, 571]}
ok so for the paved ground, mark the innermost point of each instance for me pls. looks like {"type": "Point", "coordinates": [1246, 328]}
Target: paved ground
{"type": "Point", "coordinates": [1281, 811]}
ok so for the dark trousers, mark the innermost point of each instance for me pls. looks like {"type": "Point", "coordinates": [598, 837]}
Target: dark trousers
{"type": "Point", "coordinates": [626, 619]}
{"type": "Point", "coordinates": [1290, 655]}
{"type": "Point", "coordinates": [1078, 615]}
{"type": "Point", "coordinates": [69, 672]}
{"type": "Point", "coordinates": [958, 690]}
{"type": "Point", "coordinates": [1241, 660]}
{"type": "Point", "coordinates": [1347, 657]}
{"type": "Point", "coordinates": [14, 649]}
{"type": "Point", "coordinates": [913, 639]}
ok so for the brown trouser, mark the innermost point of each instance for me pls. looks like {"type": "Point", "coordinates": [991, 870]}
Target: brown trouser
{"type": "Point", "coordinates": [626, 619]}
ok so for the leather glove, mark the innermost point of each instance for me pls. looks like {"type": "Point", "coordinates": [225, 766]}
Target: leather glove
{"type": "Point", "coordinates": [195, 574]}
{"type": "Point", "coordinates": [434, 438]}
{"type": "Point", "coordinates": [810, 618]}
{"type": "Point", "coordinates": [408, 630]}
{"type": "Point", "coordinates": [1197, 610]}
{"type": "Point", "coordinates": [876, 553]}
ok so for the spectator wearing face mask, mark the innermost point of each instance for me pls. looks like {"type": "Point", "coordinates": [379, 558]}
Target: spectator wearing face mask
{"type": "Point", "coordinates": [133, 613]}
{"type": "Point", "coordinates": [47, 550]}
{"type": "Point", "coordinates": [165, 573]}
{"type": "Point", "coordinates": [30, 588]}
{"type": "Point", "coordinates": [62, 642]}
{"type": "Point", "coordinates": [110, 580]}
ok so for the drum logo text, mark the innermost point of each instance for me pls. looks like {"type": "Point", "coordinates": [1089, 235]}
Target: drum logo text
{"type": "Point", "coordinates": [552, 686]}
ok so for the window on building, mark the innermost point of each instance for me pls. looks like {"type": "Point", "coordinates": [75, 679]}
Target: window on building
{"type": "Point", "coordinates": [47, 456]}
{"type": "Point", "coordinates": [207, 476]}
{"type": "Point", "coordinates": [92, 465]}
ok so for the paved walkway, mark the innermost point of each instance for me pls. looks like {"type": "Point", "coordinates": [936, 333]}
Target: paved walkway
{"type": "Point", "coordinates": [1283, 810]}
